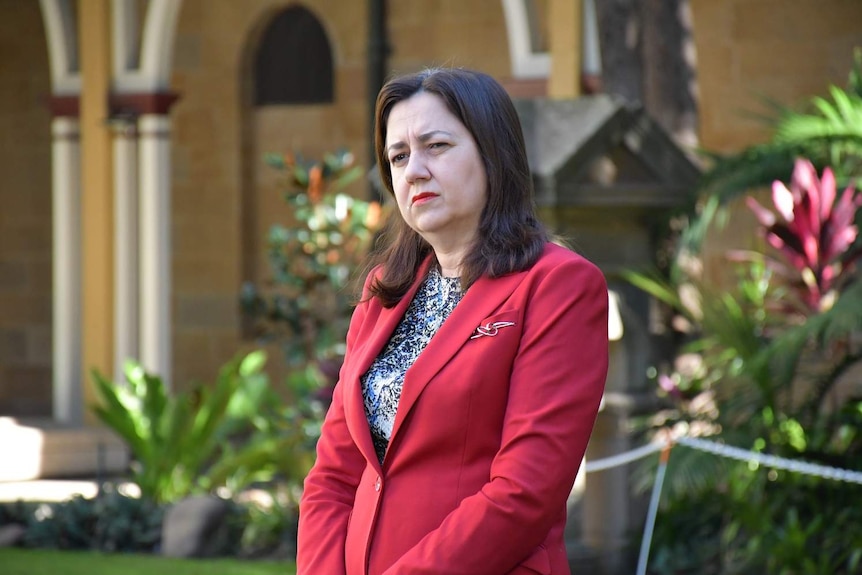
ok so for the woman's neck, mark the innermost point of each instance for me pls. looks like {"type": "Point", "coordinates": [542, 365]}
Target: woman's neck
{"type": "Point", "coordinates": [450, 263]}
{"type": "Point", "coordinates": [449, 256]}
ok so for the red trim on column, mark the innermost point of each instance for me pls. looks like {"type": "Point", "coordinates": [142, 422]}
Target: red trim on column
{"type": "Point", "coordinates": [143, 103]}
{"type": "Point", "coordinates": [64, 106]}
{"type": "Point", "coordinates": [133, 104]}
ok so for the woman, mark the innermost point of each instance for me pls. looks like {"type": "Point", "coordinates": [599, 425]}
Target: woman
{"type": "Point", "coordinates": [475, 360]}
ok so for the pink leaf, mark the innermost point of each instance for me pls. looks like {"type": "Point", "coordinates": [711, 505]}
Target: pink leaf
{"type": "Point", "coordinates": [764, 216]}
{"type": "Point", "coordinates": [804, 174]}
{"type": "Point", "coordinates": [827, 193]}
{"type": "Point", "coordinates": [792, 253]}
{"type": "Point", "coordinates": [845, 209]}
{"type": "Point", "coordinates": [783, 200]}
{"type": "Point", "coordinates": [806, 188]}
{"type": "Point", "coordinates": [842, 240]}
{"type": "Point", "coordinates": [828, 274]}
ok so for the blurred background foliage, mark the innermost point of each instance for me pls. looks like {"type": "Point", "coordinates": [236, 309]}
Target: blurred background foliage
{"type": "Point", "coordinates": [304, 308]}
{"type": "Point", "coordinates": [771, 364]}
{"type": "Point", "coordinates": [239, 434]}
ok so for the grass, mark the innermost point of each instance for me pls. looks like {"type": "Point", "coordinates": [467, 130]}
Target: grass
{"type": "Point", "coordinates": [44, 562]}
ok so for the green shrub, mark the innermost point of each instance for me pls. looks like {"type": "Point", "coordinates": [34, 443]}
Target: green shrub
{"type": "Point", "coordinates": [110, 522]}
{"type": "Point", "coordinates": [215, 438]}
{"type": "Point", "coordinates": [269, 530]}
{"type": "Point", "coordinates": [116, 523]}
{"type": "Point", "coordinates": [18, 512]}
{"type": "Point", "coordinates": [757, 364]}
{"type": "Point", "coordinates": [307, 303]}
{"type": "Point", "coordinates": [305, 306]}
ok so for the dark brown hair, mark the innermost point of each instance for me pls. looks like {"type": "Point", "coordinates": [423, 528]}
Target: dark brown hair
{"type": "Point", "coordinates": [510, 237]}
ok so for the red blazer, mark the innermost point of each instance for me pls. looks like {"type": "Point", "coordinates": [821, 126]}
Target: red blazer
{"type": "Point", "coordinates": [487, 440]}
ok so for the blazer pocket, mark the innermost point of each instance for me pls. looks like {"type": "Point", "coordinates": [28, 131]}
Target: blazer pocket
{"type": "Point", "coordinates": [497, 324]}
{"type": "Point", "coordinates": [538, 562]}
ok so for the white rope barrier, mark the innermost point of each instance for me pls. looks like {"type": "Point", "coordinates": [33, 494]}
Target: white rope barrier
{"type": "Point", "coordinates": [728, 451]}
{"type": "Point", "coordinates": [773, 461]}
{"type": "Point", "coordinates": [715, 448]}
{"type": "Point", "coordinates": [622, 458]}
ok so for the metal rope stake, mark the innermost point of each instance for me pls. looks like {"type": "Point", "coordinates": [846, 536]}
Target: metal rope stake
{"type": "Point", "coordinates": [653, 510]}
{"type": "Point", "coordinates": [773, 461]}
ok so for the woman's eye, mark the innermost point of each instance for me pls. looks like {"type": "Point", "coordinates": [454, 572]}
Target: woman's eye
{"type": "Point", "coordinates": [398, 159]}
{"type": "Point", "coordinates": [438, 145]}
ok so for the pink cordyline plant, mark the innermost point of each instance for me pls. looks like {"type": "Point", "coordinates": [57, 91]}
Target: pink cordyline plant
{"type": "Point", "coordinates": [814, 231]}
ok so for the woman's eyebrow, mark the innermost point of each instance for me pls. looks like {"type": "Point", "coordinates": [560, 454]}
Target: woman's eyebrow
{"type": "Point", "coordinates": [422, 138]}
{"type": "Point", "coordinates": [432, 134]}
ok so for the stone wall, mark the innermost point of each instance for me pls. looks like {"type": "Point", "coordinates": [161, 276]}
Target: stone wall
{"type": "Point", "coordinates": [784, 50]}
{"type": "Point", "coordinates": [224, 197]}
{"type": "Point", "coordinates": [25, 213]}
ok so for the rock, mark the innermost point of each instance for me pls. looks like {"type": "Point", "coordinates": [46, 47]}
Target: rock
{"type": "Point", "coordinates": [195, 527]}
{"type": "Point", "coordinates": [11, 534]}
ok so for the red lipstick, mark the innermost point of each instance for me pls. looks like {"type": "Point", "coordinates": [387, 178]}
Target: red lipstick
{"type": "Point", "coordinates": [423, 196]}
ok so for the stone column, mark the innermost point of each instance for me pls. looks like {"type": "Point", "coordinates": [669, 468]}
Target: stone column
{"type": "Point", "coordinates": [155, 246]}
{"type": "Point", "coordinates": [97, 208]}
{"type": "Point", "coordinates": [66, 185]}
{"type": "Point", "coordinates": [126, 321]}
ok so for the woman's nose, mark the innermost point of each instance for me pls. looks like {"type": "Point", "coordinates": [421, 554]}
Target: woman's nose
{"type": "Point", "coordinates": [416, 168]}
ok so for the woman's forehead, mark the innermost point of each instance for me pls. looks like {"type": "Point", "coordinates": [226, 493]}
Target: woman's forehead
{"type": "Point", "coordinates": [418, 114]}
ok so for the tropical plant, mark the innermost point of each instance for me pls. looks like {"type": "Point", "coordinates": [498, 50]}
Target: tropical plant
{"type": "Point", "coordinates": [828, 133]}
{"type": "Point", "coordinates": [755, 371]}
{"type": "Point", "coordinates": [307, 304]}
{"type": "Point", "coordinates": [814, 233]}
{"type": "Point", "coordinates": [218, 437]}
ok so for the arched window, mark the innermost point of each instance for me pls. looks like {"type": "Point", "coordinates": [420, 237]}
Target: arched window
{"type": "Point", "coordinates": [294, 61]}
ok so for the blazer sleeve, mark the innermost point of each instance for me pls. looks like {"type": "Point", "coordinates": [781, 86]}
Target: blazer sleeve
{"type": "Point", "coordinates": [555, 388]}
{"type": "Point", "coordinates": [330, 486]}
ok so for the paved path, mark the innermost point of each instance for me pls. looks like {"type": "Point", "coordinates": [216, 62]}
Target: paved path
{"type": "Point", "coordinates": [53, 489]}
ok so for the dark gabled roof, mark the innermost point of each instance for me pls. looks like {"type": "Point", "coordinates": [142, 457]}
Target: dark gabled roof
{"type": "Point", "coordinates": [601, 151]}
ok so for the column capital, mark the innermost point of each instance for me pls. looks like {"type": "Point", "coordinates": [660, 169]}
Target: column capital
{"type": "Point", "coordinates": [130, 104]}
{"type": "Point", "coordinates": [65, 105]}
{"type": "Point", "coordinates": [140, 103]}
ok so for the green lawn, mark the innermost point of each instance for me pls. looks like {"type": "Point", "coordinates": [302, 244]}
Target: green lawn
{"type": "Point", "coordinates": [42, 562]}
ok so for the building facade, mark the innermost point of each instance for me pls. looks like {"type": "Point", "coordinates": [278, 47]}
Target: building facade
{"type": "Point", "coordinates": [135, 200]}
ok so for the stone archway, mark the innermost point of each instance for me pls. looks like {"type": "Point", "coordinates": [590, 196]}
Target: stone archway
{"type": "Point", "coordinates": [265, 128]}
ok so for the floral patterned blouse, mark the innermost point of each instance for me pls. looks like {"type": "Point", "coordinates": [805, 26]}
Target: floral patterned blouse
{"type": "Point", "coordinates": [381, 384]}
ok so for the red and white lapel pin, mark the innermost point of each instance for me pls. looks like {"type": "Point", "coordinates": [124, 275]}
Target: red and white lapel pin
{"type": "Point", "coordinates": [490, 329]}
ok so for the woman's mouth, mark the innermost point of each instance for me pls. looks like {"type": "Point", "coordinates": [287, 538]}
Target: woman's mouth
{"type": "Point", "coordinates": [423, 197]}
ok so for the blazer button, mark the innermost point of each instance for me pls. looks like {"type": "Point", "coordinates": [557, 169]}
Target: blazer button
{"type": "Point", "coordinates": [377, 485]}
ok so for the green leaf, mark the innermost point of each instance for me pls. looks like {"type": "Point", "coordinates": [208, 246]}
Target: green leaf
{"type": "Point", "coordinates": [252, 363]}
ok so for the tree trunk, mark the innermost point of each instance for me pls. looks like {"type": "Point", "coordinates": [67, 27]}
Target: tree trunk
{"type": "Point", "coordinates": [648, 57]}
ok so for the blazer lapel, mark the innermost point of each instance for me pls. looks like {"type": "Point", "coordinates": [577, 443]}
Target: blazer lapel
{"type": "Point", "coordinates": [366, 352]}
{"type": "Point", "coordinates": [480, 301]}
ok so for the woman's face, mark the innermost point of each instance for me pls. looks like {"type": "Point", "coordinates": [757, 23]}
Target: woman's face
{"type": "Point", "coordinates": [438, 177]}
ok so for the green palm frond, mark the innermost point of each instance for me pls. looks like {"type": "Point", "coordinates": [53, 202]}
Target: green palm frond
{"type": "Point", "coordinates": [839, 323]}
{"type": "Point", "coordinates": [854, 83]}
{"type": "Point", "coordinates": [829, 133]}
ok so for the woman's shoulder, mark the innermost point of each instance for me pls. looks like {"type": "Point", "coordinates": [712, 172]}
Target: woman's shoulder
{"type": "Point", "coordinates": [564, 272]}
{"type": "Point", "coordinates": [555, 255]}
